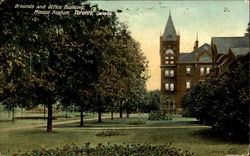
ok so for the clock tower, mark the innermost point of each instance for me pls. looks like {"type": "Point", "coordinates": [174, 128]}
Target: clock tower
{"type": "Point", "coordinates": [169, 54]}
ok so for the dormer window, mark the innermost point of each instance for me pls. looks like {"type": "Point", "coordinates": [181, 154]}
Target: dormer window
{"type": "Point", "coordinates": [205, 58]}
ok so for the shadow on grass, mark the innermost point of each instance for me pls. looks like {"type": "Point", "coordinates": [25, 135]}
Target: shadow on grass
{"type": "Point", "coordinates": [210, 135]}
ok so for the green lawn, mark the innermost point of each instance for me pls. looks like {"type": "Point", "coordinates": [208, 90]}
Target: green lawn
{"type": "Point", "coordinates": [192, 139]}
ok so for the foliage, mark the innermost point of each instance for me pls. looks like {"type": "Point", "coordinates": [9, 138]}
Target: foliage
{"type": "Point", "coordinates": [138, 122]}
{"type": "Point", "coordinates": [151, 101]}
{"type": "Point", "coordinates": [160, 115]}
{"type": "Point", "coordinates": [223, 101]}
{"type": "Point", "coordinates": [67, 59]}
{"type": "Point", "coordinates": [112, 149]}
{"type": "Point", "coordinates": [111, 133]}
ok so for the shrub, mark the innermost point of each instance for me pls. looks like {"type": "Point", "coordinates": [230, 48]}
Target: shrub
{"type": "Point", "coordinates": [111, 133]}
{"type": "Point", "coordinates": [138, 122]}
{"type": "Point", "coordinates": [160, 115]}
{"type": "Point", "coordinates": [112, 149]}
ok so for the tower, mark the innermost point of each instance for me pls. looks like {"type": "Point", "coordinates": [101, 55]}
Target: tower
{"type": "Point", "coordinates": [169, 54]}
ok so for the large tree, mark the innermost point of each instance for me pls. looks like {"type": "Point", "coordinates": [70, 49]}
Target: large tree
{"type": "Point", "coordinates": [54, 54]}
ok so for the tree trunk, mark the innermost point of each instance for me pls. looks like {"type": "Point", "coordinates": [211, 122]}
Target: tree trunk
{"type": "Point", "coordinates": [99, 114]}
{"type": "Point", "coordinates": [44, 112]}
{"type": "Point", "coordinates": [66, 111]}
{"type": "Point", "coordinates": [13, 114]}
{"type": "Point", "coordinates": [121, 111]}
{"type": "Point", "coordinates": [81, 121]}
{"type": "Point", "coordinates": [127, 114]}
{"type": "Point", "coordinates": [49, 120]}
{"type": "Point", "coordinates": [127, 109]}
{"type": "Point", "coordinates": [112, 115]}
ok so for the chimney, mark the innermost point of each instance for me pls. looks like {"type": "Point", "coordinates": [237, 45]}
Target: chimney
{"type": "Point", "coordinates": [196, 44]}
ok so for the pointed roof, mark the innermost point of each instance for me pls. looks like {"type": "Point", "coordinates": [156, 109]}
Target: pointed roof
{"type": "Point", "coordinates": [169, 32]}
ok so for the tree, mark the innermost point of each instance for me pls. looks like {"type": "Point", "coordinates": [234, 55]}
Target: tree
{"type": "Point", "coordinates": [224, 106]}
{"type": "Point", "coordinates": [58, 50]}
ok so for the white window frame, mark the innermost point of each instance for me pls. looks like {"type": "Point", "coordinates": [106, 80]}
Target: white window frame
{"type": "Point", "coordinates": [171, 73]}
{"type": "Point", "coordinates": [171, 86]}
{"type": "Point", "coordinates": [167, 73]}
{"type": "Point", "coordinates": [208, 70]}
{"type": "Point", "coordinates": [202, 70]}
{"type": "Point", "coordinates": [167, 86]}
{"type": "Point", "coordinates": [188, 84]}
{"type": "Point", "coordinates": [188, 70]}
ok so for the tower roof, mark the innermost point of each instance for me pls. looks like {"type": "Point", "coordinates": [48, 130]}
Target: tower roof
{"type": "Point", "coordinates": [169, 32]}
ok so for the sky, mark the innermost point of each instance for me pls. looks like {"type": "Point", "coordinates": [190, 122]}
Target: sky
{"type": "Point", "coordinates": [146, 21]}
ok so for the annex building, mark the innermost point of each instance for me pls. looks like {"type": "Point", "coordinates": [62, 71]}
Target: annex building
{"type": "Point", "coordinates": [182, 70]}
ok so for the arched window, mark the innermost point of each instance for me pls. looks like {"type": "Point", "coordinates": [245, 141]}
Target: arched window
{"type": "Point", "coordinates": [205, 58]}
{"type": "Point", "coordinates": [169, 51]}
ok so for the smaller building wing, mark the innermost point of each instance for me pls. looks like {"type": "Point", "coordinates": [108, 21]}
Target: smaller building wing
{"type": "Point", "coordinates": [223, 44]}
{"type": "Point", "coordinates": [190, 57]}
{"type": "Point", "coordinates": [240, 51]}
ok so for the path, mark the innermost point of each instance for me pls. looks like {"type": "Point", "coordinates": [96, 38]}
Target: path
{"type": "Point", "coordinates": [95, 128]}
{"type": "Point", "coordinates": [137, 127]}
{"type": "Point", "coordinates": [44, 125]}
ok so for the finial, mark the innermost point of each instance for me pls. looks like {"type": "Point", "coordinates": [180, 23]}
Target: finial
{"type": "Point", "coordinates": [169, 12]}
{"type": "Point", "coordinates": [196, 36]}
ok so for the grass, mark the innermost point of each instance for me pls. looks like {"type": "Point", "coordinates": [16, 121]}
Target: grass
{"type": "Point", "coordinates": [192, 139]}
{"type": "Point", "coordinates": [124, 122]}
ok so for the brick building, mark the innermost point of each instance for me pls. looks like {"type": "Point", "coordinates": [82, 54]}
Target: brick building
{"type": "Point", "coordinates": [180, 71]}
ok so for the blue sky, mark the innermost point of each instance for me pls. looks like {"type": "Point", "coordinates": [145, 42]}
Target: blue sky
{"type": "Point", "coordinates": [147, 19]}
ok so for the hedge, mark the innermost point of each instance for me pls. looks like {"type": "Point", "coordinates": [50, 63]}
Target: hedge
{"type": "Point", "coordinates": [110, 150]}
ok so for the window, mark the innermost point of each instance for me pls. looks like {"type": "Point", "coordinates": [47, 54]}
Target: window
{"type": "Point", "coordinates": [166, 58]}
{"type": "Point", "coordinates": [205, 58]}
{"type": "Point", "coordinates": [171, 86]}
{"type": "Point", "coordinates": [169, 51]}
{"type": "Point", "coordinates": [208, 70]}
{"type": "Point", "coordinates": [166, 62]}
{"type": "Point", "coordinates": [166, 72]}
{"type": "Point", "coordinates": [169, 73]}
{"type": "Point", "coordinates": [171, 62]}
{"type": "Point", "coordinates": [166, 86]}
{"type": "Point", "coordinates": [188, 84]}
{"type": "Point", "coordinates": [188, 70]}
{"type": "Point", "coordinates": [172, 57]}
{"type": "Point", "coordinates": [202, 70]}
{"type": "Point", "coordinates": [172, 73]}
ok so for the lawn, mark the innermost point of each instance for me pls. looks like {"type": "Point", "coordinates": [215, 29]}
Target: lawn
{"type": "Point", "coordinates": [192, 139]}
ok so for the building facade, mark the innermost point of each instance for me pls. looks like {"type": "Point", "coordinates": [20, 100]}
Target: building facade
{"type": "Point", "coordinates": [180, 71]}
